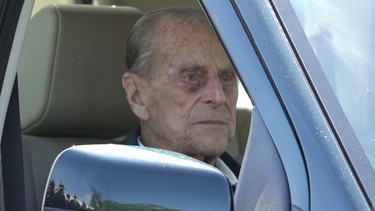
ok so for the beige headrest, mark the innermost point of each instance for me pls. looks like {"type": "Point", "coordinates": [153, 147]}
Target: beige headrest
{"type": "Point", "coordinates": [70, 72]}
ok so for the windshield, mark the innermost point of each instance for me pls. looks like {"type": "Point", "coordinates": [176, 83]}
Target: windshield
{"type": "Point", "coordinates": [341, 33]}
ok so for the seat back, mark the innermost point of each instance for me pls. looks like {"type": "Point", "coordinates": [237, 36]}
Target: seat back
{"type": "Point", "coordinates": [70, 85]}
{"type": "Point", "coordinates": [238, 143]}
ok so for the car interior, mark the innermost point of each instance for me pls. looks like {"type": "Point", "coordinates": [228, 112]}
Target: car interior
{"type": "Point", "coordinates": [70, 86]}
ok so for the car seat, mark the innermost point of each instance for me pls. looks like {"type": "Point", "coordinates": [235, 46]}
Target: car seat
{"type": "Point", "coordinates": [70, 85]}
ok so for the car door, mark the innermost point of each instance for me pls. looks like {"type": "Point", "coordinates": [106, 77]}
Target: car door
{"type": "Point", "coordinates": [14, 16]}
{"type": "Point", "coordinates": [296, 110]}
{"type": "Point", "coordinates": [275, 61]}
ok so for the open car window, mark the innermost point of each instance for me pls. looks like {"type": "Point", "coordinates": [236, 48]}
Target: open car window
{"type": "Point", "coordinates": [61, 89]}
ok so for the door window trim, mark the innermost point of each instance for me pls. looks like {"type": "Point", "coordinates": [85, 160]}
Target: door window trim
{"type": "Point", "coordinates": [224, 16]}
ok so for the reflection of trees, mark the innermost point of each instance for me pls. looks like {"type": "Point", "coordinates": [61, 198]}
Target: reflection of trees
{"type": "Point", "coordinates": [56, 197]}
{"type": "Point", "coordinates": [98, 204]}
{"type": "Point", "coordinates": [96, 199]}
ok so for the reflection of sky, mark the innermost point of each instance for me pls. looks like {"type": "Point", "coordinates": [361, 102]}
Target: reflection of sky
{"type": "Point", "coordinates": [125, 179]}
{"type": "Point", "coordinates": [341, 33]}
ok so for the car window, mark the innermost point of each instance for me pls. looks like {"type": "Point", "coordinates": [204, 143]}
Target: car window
{"type": "Point", "coordinates": [29, 78]}
{"type": "Point", "coordinates": [244, 104]}
{"type": "Point", "coordinates": [243, 99]}
{"type": "Point", "coordinates": [344, 46]}
{"type": "Point", "coordinates": [341, 33]}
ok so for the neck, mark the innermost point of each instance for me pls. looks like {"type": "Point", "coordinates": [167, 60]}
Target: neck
{"type": "Point", "coordinates": [148, 142]}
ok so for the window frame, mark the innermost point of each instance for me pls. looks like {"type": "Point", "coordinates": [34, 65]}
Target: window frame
{"type": "Point", "coordinates": [235, 38]}
{"type": "Point", "coordinates": [15, 15]}
{"type": "Point", "coordinates": [287, 104]}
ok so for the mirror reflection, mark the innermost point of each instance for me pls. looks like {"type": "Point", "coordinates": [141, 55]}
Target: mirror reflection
{"type": "Point", "coordinates": [118, 177]}
{"type": "Point", "coordinates": [58, 197]}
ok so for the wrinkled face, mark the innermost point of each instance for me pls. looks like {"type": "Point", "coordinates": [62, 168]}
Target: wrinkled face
{"type": "Point", "coordinates": [192, 94]}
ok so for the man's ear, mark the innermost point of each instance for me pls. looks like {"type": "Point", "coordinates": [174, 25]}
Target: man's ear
{"type": "Point", "coordinates": [134, 88]}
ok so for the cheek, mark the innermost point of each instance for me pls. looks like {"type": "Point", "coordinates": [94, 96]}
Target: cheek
{"type": "Point", "coordinates": [171, 105]}
{"type": "Point", "coordinates": [231, 94]}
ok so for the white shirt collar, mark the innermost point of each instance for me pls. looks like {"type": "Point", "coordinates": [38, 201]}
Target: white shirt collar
{"type": "Point", "coordinates": [219, 164]}
{"type": "Point", "coordinates": [139, 142]}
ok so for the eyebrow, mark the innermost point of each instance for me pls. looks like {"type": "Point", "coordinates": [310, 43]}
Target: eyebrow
{"type": "Point", "coordinates": [193, 66]}
{"type": "Point", "coordinates": [229, 68]}
{"type": "Point", "coordinates": [190, 66]}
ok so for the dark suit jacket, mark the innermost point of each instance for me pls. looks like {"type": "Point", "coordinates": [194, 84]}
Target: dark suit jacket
{"type": "Point", "coordinates": [233, 164]}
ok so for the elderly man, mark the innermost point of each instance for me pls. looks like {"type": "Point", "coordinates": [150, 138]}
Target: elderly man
{"type": "Point", "coordinates": [182, 86]}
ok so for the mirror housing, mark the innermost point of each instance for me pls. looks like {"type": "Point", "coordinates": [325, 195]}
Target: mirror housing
{"type": "Point", "coordinates": [119, 177]}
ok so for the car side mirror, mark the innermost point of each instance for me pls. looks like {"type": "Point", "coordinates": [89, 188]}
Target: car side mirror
{"type": "Point", "coordinates": [119, 177]}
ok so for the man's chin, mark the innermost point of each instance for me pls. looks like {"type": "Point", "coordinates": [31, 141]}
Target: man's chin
{"type": "Point", "coordinates": [213, 147]}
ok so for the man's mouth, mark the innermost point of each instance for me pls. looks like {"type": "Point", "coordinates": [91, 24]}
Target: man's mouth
{"type": "Point", "coordinates": [211, 122]}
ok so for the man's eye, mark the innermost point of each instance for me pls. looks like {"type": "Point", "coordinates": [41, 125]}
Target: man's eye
{"type": "Point", "coordinates": [190, 77]}
{"type": "Point", "coordinates": [226, 78]}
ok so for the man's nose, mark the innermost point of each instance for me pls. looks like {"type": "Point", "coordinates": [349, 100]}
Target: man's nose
{"type": "Point", "coordinates": [214, 92]}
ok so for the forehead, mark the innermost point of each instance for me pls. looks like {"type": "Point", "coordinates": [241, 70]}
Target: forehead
{"type": "Point", "coordinates": [188, 42]}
